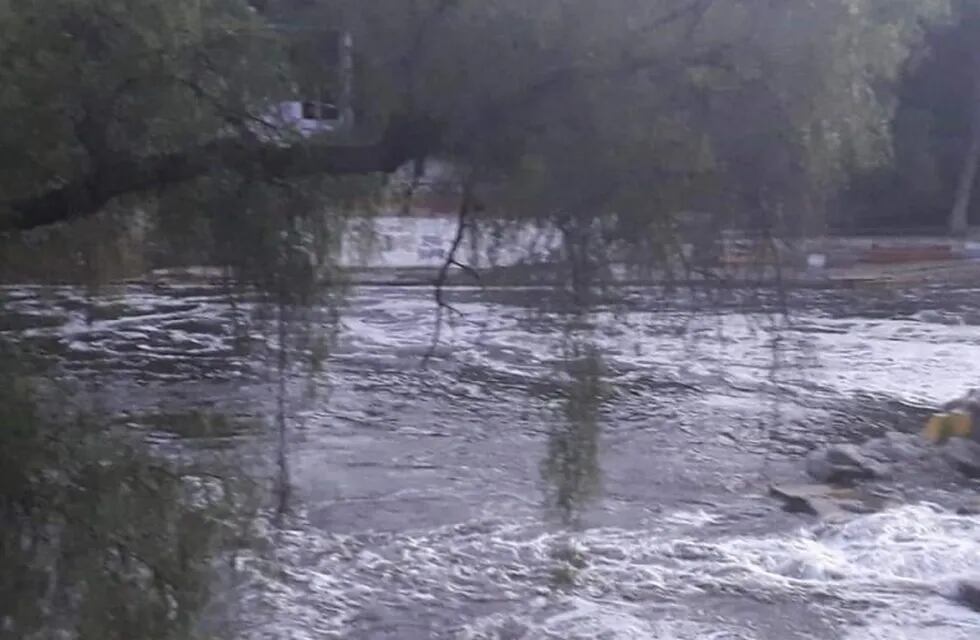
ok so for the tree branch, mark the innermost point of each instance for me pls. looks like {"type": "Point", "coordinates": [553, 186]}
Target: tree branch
{"type": "Point", "coordinates": [442, 305]}
{"type": "Point", "coordinates": [407, 139]}
{"type": "Point", "coordinates": [90, 193]}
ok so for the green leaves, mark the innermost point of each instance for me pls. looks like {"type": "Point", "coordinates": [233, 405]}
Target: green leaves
{"type": "Point", "coordinates": [626, 107]}
{"type": "Point", "coordinates": [100, 540]}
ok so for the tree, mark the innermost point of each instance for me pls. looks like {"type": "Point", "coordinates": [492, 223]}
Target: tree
{"type": "Point", "coordinates": [928, 181]}
{"type": "Point", "coordinates": [959, 216]}
{"type": "Point", "coordinates": [106, 102]}
{"type": "Point", "coordinates": [103, 101]}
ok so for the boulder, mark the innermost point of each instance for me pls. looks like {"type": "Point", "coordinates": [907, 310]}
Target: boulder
{"type": "Point", "coordinates": [949, 424]}
{"type": "Point", "coordinates": [842, 464]}
{"type": "Point", "coordinates": [964, 455]}
{"type": "Point", "coordinates": [824, 501]}
{"type": "Point", "coordinates": [895, 447]}
{"type": "Point", "coordinates": [968, 593]}
{"type": "Point", "coordinates": [967, 405]}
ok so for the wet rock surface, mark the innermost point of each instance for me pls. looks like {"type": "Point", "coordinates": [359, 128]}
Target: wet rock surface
{"type": "Point", "coordinates": [968, 403]}
{"type": "Point", "coordinates": [963, 455]}
{"type": "Point", "coordinates": [826, 502]}
{"type": "Point", "coordinates": [968, 593]}
{"type": "Point", "coordinates": [894, 455]}
{"type": "Point", "coordinates": [843, 464]}
{"type": "Point", "coordinates": [896, 447]}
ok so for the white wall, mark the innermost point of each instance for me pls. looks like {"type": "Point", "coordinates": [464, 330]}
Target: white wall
{"type": "Point", "coordinates": [425, 242]}
{"type": "Point", "coordinates": [290, 115]}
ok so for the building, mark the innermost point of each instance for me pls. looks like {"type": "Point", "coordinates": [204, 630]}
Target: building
{"type": "Point", "coordinates": [323, 57]}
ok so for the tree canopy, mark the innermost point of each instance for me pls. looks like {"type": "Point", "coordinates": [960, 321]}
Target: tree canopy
{"type": "Point", "coordinates": [563, 108]}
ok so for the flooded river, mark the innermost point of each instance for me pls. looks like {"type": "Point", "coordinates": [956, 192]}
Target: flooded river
{"type": "Point", "coordinates": [545, 477]}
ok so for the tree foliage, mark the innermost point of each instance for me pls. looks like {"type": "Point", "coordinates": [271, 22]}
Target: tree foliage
{"type": "Point", "coordinates": [931, 131]}
{"type": "Point", "coordinates": [624, 107]}
{"type": "Point", "coordinates": [98, 539]}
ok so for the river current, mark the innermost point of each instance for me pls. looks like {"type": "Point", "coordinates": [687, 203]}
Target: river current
{"type": "Point", "coordinates": [547, 476]}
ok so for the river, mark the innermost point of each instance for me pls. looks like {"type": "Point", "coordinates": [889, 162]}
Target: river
{"type": "Point", "coordinates": [545, 477]}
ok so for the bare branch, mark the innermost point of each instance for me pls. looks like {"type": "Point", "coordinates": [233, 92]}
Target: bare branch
{"type": "Point", "coordinates": [451, 260]}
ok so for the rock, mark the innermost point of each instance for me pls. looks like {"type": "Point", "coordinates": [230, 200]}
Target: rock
{"type": "Point", "coordinates": [968, 593]}
{"type": "Point", "coordinates": [823, 501]}
{"type": "Point", "coordinates": [810, 499]}
{"type": "Point", "coordinates": [964, 455]}
{"type": "Point", "coordinates": [969, 402]}
{"type": "Point", "coordinates": [895, 447]}
{"type": "Point", "coordinates": [843, 454]}
{"type": "Point", "coordinates": [943, 426]}
{"type": "Point", "coordinates": [842, 464]}
{"type": "Point", "coordinates": [969, 405]}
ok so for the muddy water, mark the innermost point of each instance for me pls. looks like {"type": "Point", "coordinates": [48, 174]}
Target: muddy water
{"type": "Point", "coordinates": [602, 477]}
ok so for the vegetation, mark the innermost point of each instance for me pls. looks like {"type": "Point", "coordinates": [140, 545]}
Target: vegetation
{"type": "Point", "coordinates": [141, 134]}
{"type": "Point", "coordinates": [935, 131]}
{"type": "Point", "coordinates": [109, 104]}
{"type": "Point", "coordinates": [99, 539]}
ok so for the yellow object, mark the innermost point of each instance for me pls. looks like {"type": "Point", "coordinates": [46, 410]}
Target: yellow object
{"type": "Point", "coordinates": [942, 426]}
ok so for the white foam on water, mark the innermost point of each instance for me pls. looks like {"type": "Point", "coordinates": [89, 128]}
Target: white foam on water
{"type": "Point", "coordinates": [917, 362]}
{"type": "Point", "coordinates": [942, 621]}
{"type": "Point", "coordinates": [917, 548]}
{"type": "Point", "coordinates": [698, 518]}
{"type": "Point", "coordinates": [894, 570]}
{"type": "Point", "coordinates": [588, 619]}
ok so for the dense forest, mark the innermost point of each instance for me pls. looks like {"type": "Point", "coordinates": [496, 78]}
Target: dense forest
{"type": "Point", "coordinates": [143, 134]}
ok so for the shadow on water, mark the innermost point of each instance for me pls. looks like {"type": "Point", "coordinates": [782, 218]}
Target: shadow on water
{"type": "Point", "coordinates": [571, 467]}
{"type": "Point", "coordinates": [198, 425]}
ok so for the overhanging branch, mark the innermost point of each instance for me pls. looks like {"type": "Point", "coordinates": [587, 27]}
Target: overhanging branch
{"type": "Point", "coordinates": [90, 193]}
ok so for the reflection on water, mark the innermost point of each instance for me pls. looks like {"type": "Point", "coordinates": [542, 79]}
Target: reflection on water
{"type": "Point", "coordinates": [571, 464]}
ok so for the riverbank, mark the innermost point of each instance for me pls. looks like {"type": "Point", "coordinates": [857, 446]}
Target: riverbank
{"type": "Point", "coordinates": [958, 273]}
{"type": "Point", "coordinates": [945, 272]}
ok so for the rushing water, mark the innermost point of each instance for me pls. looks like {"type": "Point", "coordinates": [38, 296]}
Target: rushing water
{"type": "Point", "coordinates": [548, 478]}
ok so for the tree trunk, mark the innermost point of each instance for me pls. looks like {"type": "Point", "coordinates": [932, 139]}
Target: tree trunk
{"type": "Point", "coordinates": [959, 218]}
